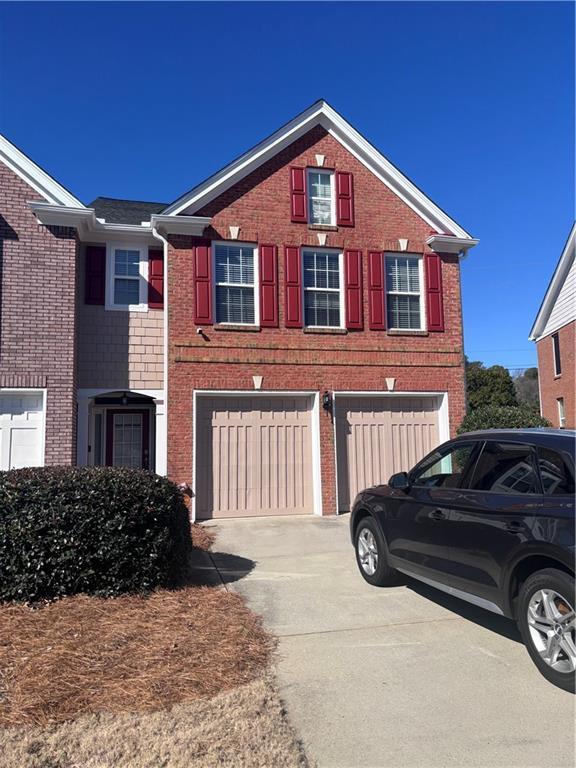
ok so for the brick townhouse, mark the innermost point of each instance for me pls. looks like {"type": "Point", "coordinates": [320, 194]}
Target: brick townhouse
{"type": "Point", "coordinates": [554, 332]}
{"type": "Point", "coordinates": [284, 334]}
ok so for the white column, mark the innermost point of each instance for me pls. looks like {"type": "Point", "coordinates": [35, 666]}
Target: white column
{"type": "Point", "coordinates": [160, 444]}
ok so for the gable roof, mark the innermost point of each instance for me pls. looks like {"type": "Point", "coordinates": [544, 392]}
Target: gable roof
{"type": "Point", "coordinates": [117, 211]}
{"type": "Point", "coordinates": [565, 264]}
{"type": "Point", "coordinates": [319, 113]}
{"type": "Point", "coordinates": [35, 176]}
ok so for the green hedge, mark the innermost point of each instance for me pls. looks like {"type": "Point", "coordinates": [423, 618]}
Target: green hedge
{"type": "Point", "coordinates": [502, 417]}
{"type": "Point", "coordinates": [101, 530]}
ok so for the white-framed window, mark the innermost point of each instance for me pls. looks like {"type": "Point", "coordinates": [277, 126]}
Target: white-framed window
{"type": "Point", "coordinates": [323, 283]}
{"type": "Point", "coordinates": [127, 277]}
{"type": "Point", "coordinates": [561, 412]}
{"type": "Point", "coordinates": [321, 197]}
{"type": "Point", "coordinates": [556, 352]}
{"type": "Point", "coordinates": [235, 282]}
{"type": "Point", "coordinates": [404, 293]}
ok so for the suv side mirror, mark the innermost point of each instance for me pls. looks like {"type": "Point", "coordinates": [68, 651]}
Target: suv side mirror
{"type": "Point", "coordinates": [399, 481]}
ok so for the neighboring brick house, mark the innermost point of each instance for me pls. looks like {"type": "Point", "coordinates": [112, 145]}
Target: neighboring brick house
{"type": "Point", "coordinates": [554, 332]}
{"type": "Point", "coordinates": [311, 338]}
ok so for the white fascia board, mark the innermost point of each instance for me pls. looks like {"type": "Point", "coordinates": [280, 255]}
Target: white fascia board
{"type": "Point", "coordinates": [87, 225]}
{"type": "Point", "coordinates": [449, 244]}
{"type": "Point", "coordinates": [34, 176]}
{"type": "Point", "coordinates": [323, 114]}
{"type": "Point", "coordinates": [560, 273]}
{"type": "Point", "coordinates": [180, 225]}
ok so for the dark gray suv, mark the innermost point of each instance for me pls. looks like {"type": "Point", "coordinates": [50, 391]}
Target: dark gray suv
{"type": "Point", "coordinates": [487, 517]}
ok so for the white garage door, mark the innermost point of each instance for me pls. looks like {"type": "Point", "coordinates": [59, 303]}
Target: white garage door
{"type": "Point", "coordinates": [21, 420]}
{"type": "Point", "coordinates": [378, 436]}
{"type": "Point", "coordinates": [253, 456]}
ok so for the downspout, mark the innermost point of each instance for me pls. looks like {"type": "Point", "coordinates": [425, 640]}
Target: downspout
{"type": "Point", "coordinates": [461, 256]}
{"type": "Point", "coordinates": [164, 242]}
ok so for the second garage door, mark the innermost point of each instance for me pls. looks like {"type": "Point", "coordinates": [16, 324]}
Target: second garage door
{"type": "Point", "coordinates": [377, 436]}
{"type": "Point", "coordinates": [21, 420]}
{"type": "Point", "coordinates": [253, 456]}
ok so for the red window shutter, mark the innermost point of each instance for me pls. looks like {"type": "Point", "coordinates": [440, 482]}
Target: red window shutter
{"type": "Point", "coordinates": [293, 285]}
{"type": "Point", "coordinates": [344, 200]}
{"type": "Point", "coordinates": [268, 286]}
{"type": "Point", "coordinates": [434, 301]}
{"type": "Point", "coordinates": [298, 206]}
{"type": "Point", "coordinates": [155, 279]}
{"type": "Point", "coordinates": [203, 284]}
{"type": "Point", "coordinates": [353, 281]}
{"type": "Point", "coordinates": [376, 291]}
{"type": "Point", "coordinates": [95, 276]}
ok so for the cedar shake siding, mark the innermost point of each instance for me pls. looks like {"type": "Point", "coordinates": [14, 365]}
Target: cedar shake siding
{"type": "Point", "coordinates": [120, 350]}
{"type": "Point", "coordinates": [38, 312]}
{"type": "Point", "coordinates": [269, 207]}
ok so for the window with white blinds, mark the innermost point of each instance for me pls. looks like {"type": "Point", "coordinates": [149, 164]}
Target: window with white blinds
{"type": "Point", "coordinates": [235, 283]}
{"type": "Point", "coordinates": [321, 198]}
{"type": "Point", "coordinates": [322, 288]}
{"type": "Point", "coordinates": [404, 292]}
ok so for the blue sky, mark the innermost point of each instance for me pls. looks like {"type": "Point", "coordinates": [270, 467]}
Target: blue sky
{"type": "Point", "coordinates": [473, 101]}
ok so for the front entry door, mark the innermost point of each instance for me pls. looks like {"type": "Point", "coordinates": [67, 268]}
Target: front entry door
{"type": "Point", "coordinates": [128, 438]}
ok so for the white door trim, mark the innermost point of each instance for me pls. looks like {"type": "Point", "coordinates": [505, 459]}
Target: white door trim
{"type": "Point", "coordinates": [315, 431]}
{"type": "Point", "coordinates": [443, 417]}
{"type": "Point", "coordinates": [33, 391]}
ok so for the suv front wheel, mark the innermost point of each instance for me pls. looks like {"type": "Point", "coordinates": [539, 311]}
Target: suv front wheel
{"type": "Point", "coordinates": [547, 623]}
{"type": "Point", "coordinates": [371, 555]}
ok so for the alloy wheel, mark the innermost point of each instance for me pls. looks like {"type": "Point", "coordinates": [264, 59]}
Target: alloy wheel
{"type": "Point", "coordinates": [552, 625]}
{"type": "Point", "coordinates": [367, 551]}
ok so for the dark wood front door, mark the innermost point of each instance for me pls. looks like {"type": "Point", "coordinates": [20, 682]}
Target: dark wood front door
{"type": "Point", "coordinates": [128, 438]}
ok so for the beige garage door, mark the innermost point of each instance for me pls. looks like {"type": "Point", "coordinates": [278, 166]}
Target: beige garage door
{"type": "Point", "coordinates": [254, 456]}
{"type": "Point", "coordinates": [377, 436]}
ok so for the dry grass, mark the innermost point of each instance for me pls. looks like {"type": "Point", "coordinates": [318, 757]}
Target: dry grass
{"type": "Point", "coordinates": [243, 728]}
{"type": "Point", "coordinates": [202, 538]}
{"type": "Point", "coordinates": [84, 655]}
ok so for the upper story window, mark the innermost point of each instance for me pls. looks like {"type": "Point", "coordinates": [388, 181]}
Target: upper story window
{"type": "Point", "coordinates": [321, 208]}
{"type": "Point", "coordinates": [404, 296]}
{"type": "Point", "coordinates": [323, 305]}
{"type": "Point", "coordinates": [127, 278]}
{"type": "Point", "coordinates": [557, 358]}
{"type": "Point", "coordinates": [236, 295]}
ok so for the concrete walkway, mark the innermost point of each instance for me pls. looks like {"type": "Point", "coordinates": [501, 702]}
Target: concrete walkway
{"type": "Point", "coordinates": [390, 677]}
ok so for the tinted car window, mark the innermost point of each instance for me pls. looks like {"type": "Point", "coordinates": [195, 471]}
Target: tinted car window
{"type": "Point", "coordinates": [556, 472]}
{"type": "Point", "coordinates": [505, 468]}
{"type": "Point", "coordinates": [444, 467]}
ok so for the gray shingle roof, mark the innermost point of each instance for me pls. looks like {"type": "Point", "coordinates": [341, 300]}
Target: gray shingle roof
{"type": "Point", "coordinates": [125, 211]}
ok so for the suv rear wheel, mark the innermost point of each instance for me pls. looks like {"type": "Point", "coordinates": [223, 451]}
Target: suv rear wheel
{"type": "Point", "coordinates": [371, 555]}
{"type": "Point", "coordinates": [547, 623]}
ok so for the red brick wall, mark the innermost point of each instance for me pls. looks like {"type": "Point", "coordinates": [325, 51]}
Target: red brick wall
{"type": "Point", "coordinates": [37, 312]}
{"type": "Point", "coordinates": [292, 358]}
{"type": "Point", "coordinates": [552, 387]}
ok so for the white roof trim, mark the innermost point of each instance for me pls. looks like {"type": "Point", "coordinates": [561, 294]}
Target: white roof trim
{"type": "Point", "coordinates": [450, 244]}
{"type": "Point", "coordinates": [555, 286]}
{"type": "Point", "coordinates": [85, 222]}
{"type": "Point", "coordinates": [323, 114]}
{"type": "Point", "coordinates": [180, 225]}
{"type": "Point", "coordinates": [34, 176]}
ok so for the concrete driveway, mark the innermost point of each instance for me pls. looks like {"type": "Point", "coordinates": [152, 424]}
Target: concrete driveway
{"type": "Point", "coordinates": [405, 676]}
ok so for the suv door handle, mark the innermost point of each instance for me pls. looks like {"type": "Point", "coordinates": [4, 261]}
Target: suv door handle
{"type": "Point", "coordinates": [438, 514]}
{"type": "Point", "coordinates": [514, 526]}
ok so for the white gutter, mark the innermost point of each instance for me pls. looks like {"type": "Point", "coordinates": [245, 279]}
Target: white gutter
{"type": "Point", "coordinates": [451, 244]}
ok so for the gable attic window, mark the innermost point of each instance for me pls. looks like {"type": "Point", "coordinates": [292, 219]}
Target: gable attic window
{"type": "Point", "coordinates": [235, 284]}
{"type": "Point", "coordinates": [127, 286]}
{"type": "Point", "coordinates": [404, 298]}
{"type": "Point", "coordinates": [321, 204]}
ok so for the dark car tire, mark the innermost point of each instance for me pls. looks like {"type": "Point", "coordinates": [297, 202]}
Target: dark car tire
{"type": "Point", "coordinates": [563, 585]}
{"type": "Point", "coordinates": [383, 575]}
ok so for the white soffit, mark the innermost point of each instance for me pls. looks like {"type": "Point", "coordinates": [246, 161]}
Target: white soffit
{"type": "Point", "coordinates": [34, 176]}
{"type": "Point", "coordinates": [323, 114]}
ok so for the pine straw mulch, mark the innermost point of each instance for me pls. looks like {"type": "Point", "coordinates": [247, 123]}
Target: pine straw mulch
{"type": "Point", "coordinates": [83, 655]}
{"type": "Point", "coordinates": [202, 537]}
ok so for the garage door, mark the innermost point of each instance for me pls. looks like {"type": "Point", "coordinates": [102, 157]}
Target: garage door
{"type": "Point", "coordinates": [21, 420]}
{"type": "Point", "coordinates": [377, 436]}
{"type": "Point", "coordinates": [253, 456]}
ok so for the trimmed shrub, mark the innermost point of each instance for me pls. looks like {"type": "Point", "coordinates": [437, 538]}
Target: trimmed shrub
{"type": "Point", "coordinates": [502, 417]}
{"type": "Point", "coordinates": [99, 530]}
